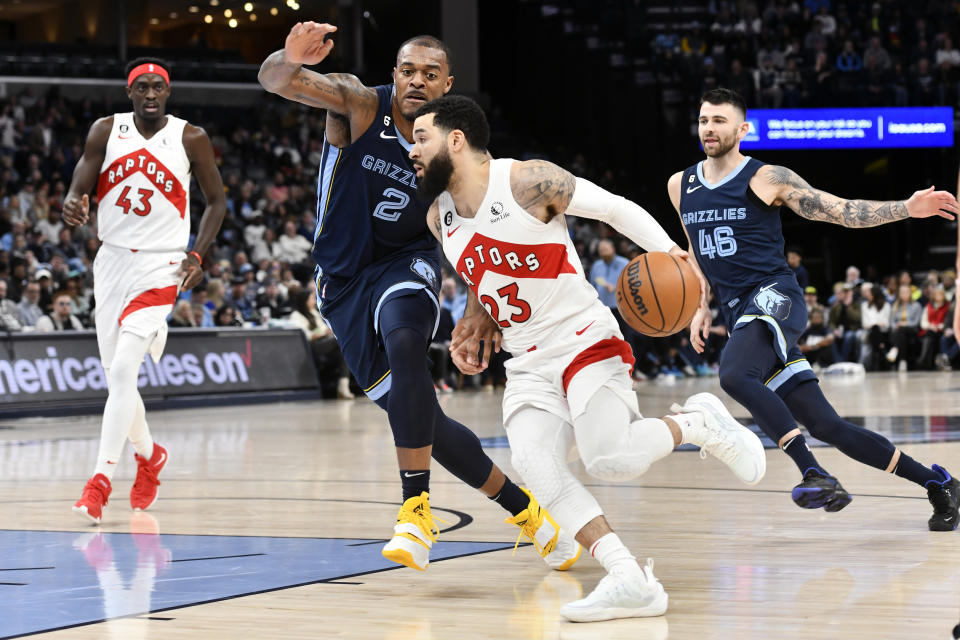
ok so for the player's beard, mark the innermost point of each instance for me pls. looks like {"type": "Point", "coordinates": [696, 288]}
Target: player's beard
{"type": "Point", "coordinates": [723, 147]}
{"type": "Point", "coordinates": [436, 177]}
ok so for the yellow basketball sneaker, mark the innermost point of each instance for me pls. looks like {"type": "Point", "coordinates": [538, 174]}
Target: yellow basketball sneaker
{"type": "Point", "coordinates": [413, 535]}
{"type": "Point", "coordinates": [557, 548]}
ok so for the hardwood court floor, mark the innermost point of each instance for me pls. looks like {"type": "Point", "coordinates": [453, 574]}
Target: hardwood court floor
{"type": "Point", "coordinates": [256, 499]}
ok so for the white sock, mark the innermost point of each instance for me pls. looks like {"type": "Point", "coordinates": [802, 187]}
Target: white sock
{"type": "Point", "coordinates": [690, 424]}
{"type": "Point", "coordinates": [611, 553]}
{"type": "Point", "coordinates": [140, 436]}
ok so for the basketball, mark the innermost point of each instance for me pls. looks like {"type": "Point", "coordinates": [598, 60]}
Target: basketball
{"type": "Point", "coordinates": [657, 294]}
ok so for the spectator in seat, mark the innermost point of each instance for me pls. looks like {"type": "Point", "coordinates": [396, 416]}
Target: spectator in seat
{"type": "Point", "coordinates": [846, 322]}
{"type": "Point", "coordinates": [905, 323]}
{"type": "Point", "coordinates": [29, 308]}
{"type": "Point", "coordinates": [9, 313]}
{"type": "Point", "coordinates": [60, 318]}
{"type": "Point", "coordinates": [331, 367]}
{"type": "Point", "coordinates": [875, 315]}
{"type": "Point", "coordinates": [795, 262]}
{"type": "Point", "coordinates": [816, 342]}
{"type": "Point", "coordinates": [294, 248]}
{"type": "Point", "coordinates": [933, 321]}
{"type": "Point", "coordinates": [182, 315]}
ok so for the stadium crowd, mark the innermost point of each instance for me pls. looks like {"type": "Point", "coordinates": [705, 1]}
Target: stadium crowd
{"type": "Point", "coordinates": [780, 53]}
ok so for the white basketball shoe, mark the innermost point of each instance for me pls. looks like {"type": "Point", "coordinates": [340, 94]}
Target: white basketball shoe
{"type": "Point", "coordinates": [635, 594]}
{"type": "Point", "coordinates": [724, 438]}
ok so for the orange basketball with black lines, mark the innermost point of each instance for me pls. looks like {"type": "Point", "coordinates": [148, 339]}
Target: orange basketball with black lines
{"type": "Point", "coordinates": [657, 294]}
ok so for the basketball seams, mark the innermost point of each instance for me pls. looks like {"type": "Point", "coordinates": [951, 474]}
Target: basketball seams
{"type": "Point", "coordinates": [620, 294]}
{"type": "Point", "coordinates": [656, 298]}
{"type": "Point", "coordinates": [683, 290]}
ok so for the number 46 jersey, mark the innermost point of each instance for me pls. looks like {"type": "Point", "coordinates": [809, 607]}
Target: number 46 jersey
{"type": "Point", "coordinates": [525, 272]}
{"type": "Point", "coordinates": [737, 239]}
{"type": "Point", "coordinates": [143, 191]}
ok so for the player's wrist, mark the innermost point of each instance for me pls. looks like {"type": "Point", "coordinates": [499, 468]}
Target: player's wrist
{"type": "Point", "coordinates": [195, 256]}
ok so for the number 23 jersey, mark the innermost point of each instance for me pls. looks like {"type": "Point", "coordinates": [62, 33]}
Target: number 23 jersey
{"type": "Point", "coordinates": [736, 238]}
{"type": "Point", "coordinates": [143, 192]}
{"type": "Point", "coordinates": [525, 272]}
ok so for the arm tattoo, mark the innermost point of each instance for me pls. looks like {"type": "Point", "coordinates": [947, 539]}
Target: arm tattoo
{"type": "Point", "coordinates": [543, 184]}
{"type": "Point", "coordinates": [815, 204]}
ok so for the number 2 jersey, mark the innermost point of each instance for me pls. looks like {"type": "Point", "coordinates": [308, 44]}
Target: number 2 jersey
{"type": "Point", "coordinates": [736, 238]}
{"type": "Point", "coordinates": [524, 271]}
{"type": "Point", "coordinates": [143, 191]}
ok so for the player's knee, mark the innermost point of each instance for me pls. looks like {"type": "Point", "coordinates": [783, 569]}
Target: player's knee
{"type": "Point", "coordinates": [123, 373]}
{"type": "Point", "coordinates": [540, 471]}
{"type": "Point", "coordinates": [733, 381]}
{"type": "Point", "coordinates": [618, 466]}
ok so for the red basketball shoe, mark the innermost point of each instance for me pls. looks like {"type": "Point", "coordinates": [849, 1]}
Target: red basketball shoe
{"type": "Point", "coordinates": [144, 491]}
{"type": "Point", "coordinates": [94, 498]}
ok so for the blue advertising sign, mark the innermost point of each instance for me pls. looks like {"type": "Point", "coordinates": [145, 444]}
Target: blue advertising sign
{"type": "Point", "coordinates": [849, 128]}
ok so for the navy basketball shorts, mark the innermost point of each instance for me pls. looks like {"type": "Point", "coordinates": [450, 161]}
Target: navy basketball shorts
{"type": "Point", "coordinates": [779, 304]}
{"type": "Point", "coordinates": [351, 307]}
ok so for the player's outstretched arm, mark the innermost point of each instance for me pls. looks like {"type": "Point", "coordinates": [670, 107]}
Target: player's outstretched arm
{"type": "Point", "coordinates": [782, 186]}
{"type": "Point", "coordinates": [204, 166]}
{"type": "Point", "coordinates": [342, 93]}
{"type": "Point", "coordinates": [545, 190]}
{"type": "Point", "coordinates": [76, 204]}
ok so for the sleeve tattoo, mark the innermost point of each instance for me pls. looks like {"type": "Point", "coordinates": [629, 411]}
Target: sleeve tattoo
{"type": "Point", "coordinates": [544, 184]}
{"type": "Point", "coordinates": [815, 204]}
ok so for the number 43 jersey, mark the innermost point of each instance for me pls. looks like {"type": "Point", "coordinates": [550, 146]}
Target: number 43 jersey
{"type": "Point", "coordinates": [525, 272]}
{"type": "Point", "coordinates": [143, 193]}
{"type": "Point", "coordinates": [737, 239]}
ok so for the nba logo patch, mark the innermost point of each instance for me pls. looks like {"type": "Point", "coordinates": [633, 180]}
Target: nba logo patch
{"type": "Point", "coordinates": [773, 303]}
{"type": "Point", "coordinates": [426, 272]}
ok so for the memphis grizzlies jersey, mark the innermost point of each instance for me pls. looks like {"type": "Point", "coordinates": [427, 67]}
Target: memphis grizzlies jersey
{"type": "Point", "coordinates": [737, 239]}
{"type": "Point", "coordinates": [367, 206]}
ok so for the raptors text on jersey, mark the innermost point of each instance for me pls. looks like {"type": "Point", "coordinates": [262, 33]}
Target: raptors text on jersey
{"type": "Point", "coordinates": [143, 191]}
{"type": "Point", "coordinates": [525, 272]}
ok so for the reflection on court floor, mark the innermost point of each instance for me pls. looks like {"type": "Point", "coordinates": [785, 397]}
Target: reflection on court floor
{"type": "Point", "coordinates": [56, 579]}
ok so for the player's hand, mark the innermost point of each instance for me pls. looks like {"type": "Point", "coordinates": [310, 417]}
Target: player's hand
{"type": "Point", "coordinates": [927, 203]}
{"type": "Point", "coordinates": [466, 338]}
{"type": "Point", "coordinates": [305, 44]}
{"type": "Point", "coordinates": [700, 328]}
{"type": "Point", "coordinates": [190, 273]}
{"type": "Point", "coordinates": [677, 252]}
{"type": "Point", "coordinates": [76, 211]}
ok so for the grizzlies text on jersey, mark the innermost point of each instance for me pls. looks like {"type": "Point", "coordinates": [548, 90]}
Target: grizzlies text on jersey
{"type": "Point", "coordinates": [737, 239]}
{"type": "Point", "coordinates": [367, 206]}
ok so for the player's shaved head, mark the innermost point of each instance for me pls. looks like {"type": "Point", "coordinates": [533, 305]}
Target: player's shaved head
{"type": "Point", "coordinates": [431, 43]}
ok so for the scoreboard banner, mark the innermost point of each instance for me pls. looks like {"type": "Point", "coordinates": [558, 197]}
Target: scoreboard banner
{"type": "Point", "coordinates": [849, 128]}
{"type": "Point", "coordinates": [63, 368]}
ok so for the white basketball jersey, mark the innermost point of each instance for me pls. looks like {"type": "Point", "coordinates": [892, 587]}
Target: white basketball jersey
{"type": "Point", "coordinates": [524, 271]}
{"type": "Point", "coordinates": [144, 188]}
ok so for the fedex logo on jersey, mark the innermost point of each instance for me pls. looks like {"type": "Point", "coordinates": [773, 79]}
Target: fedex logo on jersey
{"type": "Point", "coordinates": [484, 254]}
{"type": "Point", "coordinates": [146, 164]}
{"type": "Point", "coordinates": [714, 215]}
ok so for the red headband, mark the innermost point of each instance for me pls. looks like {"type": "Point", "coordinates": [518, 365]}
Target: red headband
{"type": "Point", "coordinates": [148, 67]}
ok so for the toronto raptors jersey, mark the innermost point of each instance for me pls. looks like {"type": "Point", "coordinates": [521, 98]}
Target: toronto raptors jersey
{"type": "Point", "coordinates": [144, 188]}
{"type": "Point", "coordinates": [524, 271]}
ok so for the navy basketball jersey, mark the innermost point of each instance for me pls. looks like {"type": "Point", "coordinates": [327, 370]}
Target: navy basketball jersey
{"type": "Point", "coordinates": [736, 238]}
{"type": "Point", "coordinates": [367, 206]}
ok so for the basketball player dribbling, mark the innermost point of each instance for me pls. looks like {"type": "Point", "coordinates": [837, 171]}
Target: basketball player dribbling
{"type": "Point", "coordinates": [141, 163]}
{"type": "Point", "coordinates": [377, 278]}
{"type": "Point", "coordinates": [502, 226]}
{"type": "Point", "coordinates": [730, 208]}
